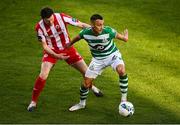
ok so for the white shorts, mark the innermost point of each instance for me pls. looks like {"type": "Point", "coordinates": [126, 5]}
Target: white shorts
{"type": "Point", "coordinates": [96, 66]}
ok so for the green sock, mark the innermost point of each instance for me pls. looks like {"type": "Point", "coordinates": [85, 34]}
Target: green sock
{"type": "Point", "coordinates": [83, 94]}
{"type": "Point", "coordinates": [123, 82]}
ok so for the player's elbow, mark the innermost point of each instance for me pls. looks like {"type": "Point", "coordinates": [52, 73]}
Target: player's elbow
{"type": "Point", "coordinates": [80, 25]}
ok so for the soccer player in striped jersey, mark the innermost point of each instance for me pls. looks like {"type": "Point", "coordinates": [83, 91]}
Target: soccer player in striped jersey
{"type": "Point", "coordinates": [53, 35]}
{"type": "Point", "coordinates": [104, 53]}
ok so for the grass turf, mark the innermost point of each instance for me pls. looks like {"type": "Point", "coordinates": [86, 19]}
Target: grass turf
{"type": "Point", "coordinates": [151, 57]}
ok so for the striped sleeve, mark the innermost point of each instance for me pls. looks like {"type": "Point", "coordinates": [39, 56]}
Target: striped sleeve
{"type": "Point", "coordinates": [81, 33]}
{"type": "Point", "coordinates": [69, 20]}
{"type": "Point", "coordinates": [112, 32]}
{"type": "Point", "coordinates": [40, 34]}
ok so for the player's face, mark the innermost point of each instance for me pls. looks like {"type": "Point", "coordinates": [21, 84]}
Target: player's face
{"type": "Point", "coordinates": [50, 20]}
{"type": "Point", "coordinates": [98, 25]}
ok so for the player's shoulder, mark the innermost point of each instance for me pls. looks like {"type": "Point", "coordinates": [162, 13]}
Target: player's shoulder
{"type": "Point", "coordinates": [62, 14]}
{"type": "Point", "coordinates": [37, 25]}
{"type": "Point", "coordinates": [58, 14]}
{"type": "Point", "coordinates": [86, 30]}
{"type": "Point", "coordinates": [108, 29]}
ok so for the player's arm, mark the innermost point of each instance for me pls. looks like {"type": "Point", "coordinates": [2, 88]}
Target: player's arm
{"type": "Point", "coordinates": [123, 36]}
{"type": "Point", "coordinates": [62, 56]}
{"type": "Point", "coordinates": [42, 39]}
{"type": "Point", "coordinates": [82, 25]}
{"type": "Point", "coordinates": [74, 40]}
{"type": "Point", "coordinates": [73, 21]}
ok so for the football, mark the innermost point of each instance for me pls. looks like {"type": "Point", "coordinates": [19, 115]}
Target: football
{"type": "Point", "coordinates": [126, 109]}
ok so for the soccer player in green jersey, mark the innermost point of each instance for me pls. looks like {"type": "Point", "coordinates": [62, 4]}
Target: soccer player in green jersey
{"type": "Point", "coordinates": [105, 53]}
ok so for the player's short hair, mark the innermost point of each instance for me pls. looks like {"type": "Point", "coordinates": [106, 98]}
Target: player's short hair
{"type": "Point", "coordinates": [46, 12]}
{"type": "Point", "coordinates": [95, 17]}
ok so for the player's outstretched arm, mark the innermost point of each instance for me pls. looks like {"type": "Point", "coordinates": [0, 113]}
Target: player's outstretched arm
{"type": "Point", "coordinates": [74, 40]}
{"type": "Point", "coordinates": [83, 25]}
{"type": "Point", "coordinates": [123, 36]}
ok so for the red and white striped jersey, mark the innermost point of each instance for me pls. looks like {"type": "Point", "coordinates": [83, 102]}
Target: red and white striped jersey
{"type": "Point", "coordinates": [56, 35]}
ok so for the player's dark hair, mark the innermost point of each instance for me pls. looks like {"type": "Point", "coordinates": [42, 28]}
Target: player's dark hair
{"type": "Point", "coordinates": [96, 17]}
{"type": "Point", "coordinates": [46, 12]}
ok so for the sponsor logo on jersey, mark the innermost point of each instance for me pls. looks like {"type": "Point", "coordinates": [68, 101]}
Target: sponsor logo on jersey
{"type": "Point", "coordinates": [99, 47]}
{"type": "Point", "coordinates": [51, 36]}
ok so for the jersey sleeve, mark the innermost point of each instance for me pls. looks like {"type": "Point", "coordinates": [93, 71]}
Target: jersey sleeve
{"type": "Point", "coordinates": [81, 34]}
{"type": "Point", "coordinates": [112, 32]}
{"type": "Point", "coordinates": [69, 20]}
{"type": "Point", "coordinates": [40, 35]}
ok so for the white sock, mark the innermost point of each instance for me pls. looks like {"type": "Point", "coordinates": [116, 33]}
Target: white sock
{"type": "Point", "coordinates": [32, 102]}
{"type": "Point", "coordinates": [95, 89]}
{"type": "Point", "coordinates": [124, 97]}
{"type": "Point", "coordinates": [83, 102]}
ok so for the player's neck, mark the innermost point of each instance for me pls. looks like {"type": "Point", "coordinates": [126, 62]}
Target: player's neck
{"type": "Point", "coordinates": [96, 33]}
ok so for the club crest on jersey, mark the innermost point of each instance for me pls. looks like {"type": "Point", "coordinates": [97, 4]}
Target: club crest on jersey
{"type": "Point", "coordinates": [57, 26]}
{"type": "Point", "coordinates": [105, 40]}
{"type": "Point", "coordinates": [74, 19]}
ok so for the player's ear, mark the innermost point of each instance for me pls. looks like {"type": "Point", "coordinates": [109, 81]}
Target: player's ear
{"type": "Point", "coordinates": [92, 23]}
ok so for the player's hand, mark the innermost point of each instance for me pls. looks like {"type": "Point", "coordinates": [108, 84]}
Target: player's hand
{"type": "Point", "coordinates": [68, 45]}
{"type": "Point", "coordinates": [125, 35]}
{"type": "Point", "coordinates": [62, 56]}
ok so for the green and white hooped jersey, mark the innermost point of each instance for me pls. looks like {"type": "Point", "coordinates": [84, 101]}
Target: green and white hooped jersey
{"type": "Point", "coordinates": [101, 46]}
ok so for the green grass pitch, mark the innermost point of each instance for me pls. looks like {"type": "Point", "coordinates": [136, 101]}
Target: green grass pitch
{"type": "Point", "coordinates": [152, 58]}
